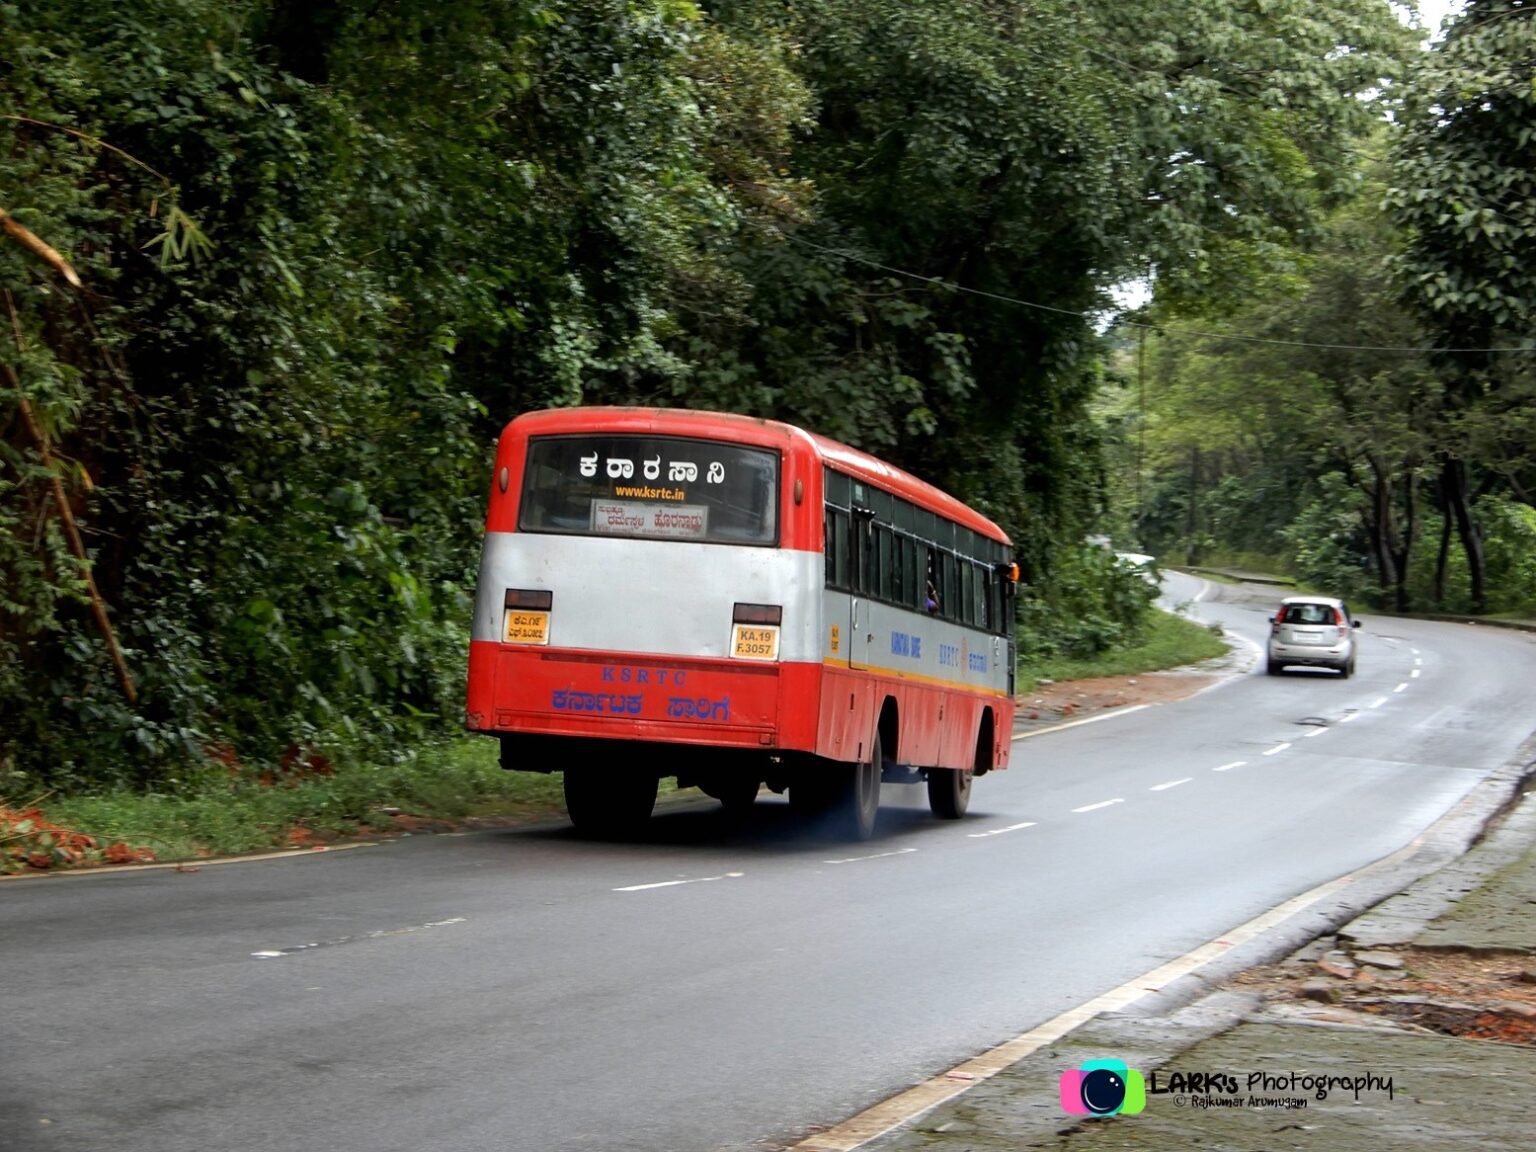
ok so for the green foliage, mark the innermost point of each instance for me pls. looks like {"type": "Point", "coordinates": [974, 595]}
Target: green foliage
{"type": "Point", "coordinates": [1169, 641]}
{"type": "Point", "coordinates": [1464, 188]}
{"type": "Point", "coordinates": [1090, 602]}
{"type": "Point", "coordinates": [1511, 536]}
{"type": "Point", "coordinates": [446, 781]}
{"type": "Point", "coordinates": [1327, 541]}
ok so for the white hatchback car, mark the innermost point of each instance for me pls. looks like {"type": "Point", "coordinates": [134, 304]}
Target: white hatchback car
{"type": "Point", "coordinates": [1312, 632]}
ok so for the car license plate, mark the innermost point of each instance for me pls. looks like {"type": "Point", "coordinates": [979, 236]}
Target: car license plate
{"type": "Point", "coordinates": [522, 626]}
{"type": "Point", "coordinates": [755, 641]}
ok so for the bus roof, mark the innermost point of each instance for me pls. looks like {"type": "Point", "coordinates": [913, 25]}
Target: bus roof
{"type": "Point", "coordinates": [755, 430]}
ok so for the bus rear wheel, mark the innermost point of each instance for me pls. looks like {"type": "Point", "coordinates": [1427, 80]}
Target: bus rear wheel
{"type": "Point", "coordinates": [603, 803]}
{"type": "Point", "coordinates": [949, 792]}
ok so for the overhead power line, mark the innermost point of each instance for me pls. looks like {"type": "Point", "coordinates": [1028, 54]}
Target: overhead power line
{"type": "Point", "coordinates": [939, 282]}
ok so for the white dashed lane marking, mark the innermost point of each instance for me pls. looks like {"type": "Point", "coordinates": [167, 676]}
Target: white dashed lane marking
{"type": "Point", "coordinates": [875, 856]}
{"type": "Point", "coordinates": [1100, 804]}
{"type": "Point", "coordinates": [1278, 748]}
{"type": "Point", "coordinates": [1000, 831]}
{"type": "Point", "coordinates": [1170, 784]}
{"type": "Point", "coordinates": [1229, 767]}
{"type": "Point", "coordinates": [679, 883]}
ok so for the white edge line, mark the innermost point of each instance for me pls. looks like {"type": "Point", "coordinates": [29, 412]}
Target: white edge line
{"type": "Point", "coordinates": [1170, 784]}
{"type": "Point", "coordinates": [676, 883]}
{"type": "Point", "coordinates": [914, 1102]}
{"type": "Point", "coordinates": [377, 934]}
{"type": "Point", "coordinates": [1100, 804]}
{"type": "Point", "coordinates": [1000, 831]}
{"type": "Point", "coordinates": [1086, 720]}
{"type": "Point", "coordinates": [1278, 748]}
{"type": "Point", "coordinates": [1229, 767]}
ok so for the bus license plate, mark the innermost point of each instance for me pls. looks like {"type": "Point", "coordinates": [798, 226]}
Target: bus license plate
{"type": "Point", "coordinates": [520, 626]}
{"type": "Point", "coordinates": [755, 641]}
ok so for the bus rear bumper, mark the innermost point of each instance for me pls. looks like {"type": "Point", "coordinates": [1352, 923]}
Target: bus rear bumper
{"type": "Point", "coordinates": [562, 693]}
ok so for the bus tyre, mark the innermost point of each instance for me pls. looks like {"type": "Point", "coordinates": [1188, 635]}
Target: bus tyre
{"type": "Point", "coordinates": [949, 792]}
{"type": "Point", "coordinates": [858, 800]}
{"type": "Point", "coordinates": [604, 803]}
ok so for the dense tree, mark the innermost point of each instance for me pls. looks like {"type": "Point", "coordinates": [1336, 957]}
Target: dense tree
{"type": "Point", "coordinates": [1465, 191]}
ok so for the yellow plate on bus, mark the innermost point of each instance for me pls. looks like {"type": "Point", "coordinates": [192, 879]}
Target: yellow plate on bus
{"type": "Point", "coordinates": [755, 641]}
{"type": "Point", "coordinates": [521, 626]}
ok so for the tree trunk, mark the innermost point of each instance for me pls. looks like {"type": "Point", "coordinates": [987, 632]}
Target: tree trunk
{"type": "Point", "coordinates": [1192, 547]}
{"type": "Point", "coordinates": [1442, 558]}
{"type": "Point", "coordinates": [1454, 473]}
{"type": "Point", "coordinates": [1381, 528]}
{"type": "Point", "coordinates": [1404, 599]}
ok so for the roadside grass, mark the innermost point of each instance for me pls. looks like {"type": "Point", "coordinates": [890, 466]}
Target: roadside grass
{"type": "Point", "coordinates": [1171, 641]}
{"type": "Point", "coordinates": [447, 781]}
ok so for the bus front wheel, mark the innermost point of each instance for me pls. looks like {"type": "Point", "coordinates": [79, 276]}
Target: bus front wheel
{"type": "Point", "coordinates": [603, 803]}
{"type": "Point", "coordinates": [949, 792]}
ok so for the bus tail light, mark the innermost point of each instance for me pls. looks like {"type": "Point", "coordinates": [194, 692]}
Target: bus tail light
{"type": "Point", "coordinates": [525, 616]}
{"type": "Point", "coordinates": [757, 614]}
{"type": "Point", "coordinates": [755, 631]}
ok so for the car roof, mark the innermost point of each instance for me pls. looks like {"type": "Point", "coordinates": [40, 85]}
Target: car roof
{"type": "Point", "coordinates": [1332, 601]}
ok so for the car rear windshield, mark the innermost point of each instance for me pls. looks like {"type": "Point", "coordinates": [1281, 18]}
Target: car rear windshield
{"type": "Point", "coordinates": [653, 487]}
{"type": "Point", "coordinates": [1309, 614]}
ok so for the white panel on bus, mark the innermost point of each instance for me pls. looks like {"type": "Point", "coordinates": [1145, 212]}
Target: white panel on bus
{"type": "Point", "coordinates": [664, 597]}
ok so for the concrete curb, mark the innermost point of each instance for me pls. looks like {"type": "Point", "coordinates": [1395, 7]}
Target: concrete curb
{"type": "Point", "coordinates": [1450, 858]}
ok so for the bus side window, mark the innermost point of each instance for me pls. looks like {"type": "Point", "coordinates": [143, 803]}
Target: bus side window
{"type": "Point", "coordinates": [866, 581]}
{"type": "Point", "coordinates": [885, 561]}
{"type": "Point", "coordinates": [836, 545]}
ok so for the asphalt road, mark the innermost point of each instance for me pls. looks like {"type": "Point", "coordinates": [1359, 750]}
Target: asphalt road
{"type": "Point", "coordinates": [714, 986]}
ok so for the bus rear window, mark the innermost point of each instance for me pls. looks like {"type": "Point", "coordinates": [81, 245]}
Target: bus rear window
{"type": "Point", "coordinates": [654, 487]}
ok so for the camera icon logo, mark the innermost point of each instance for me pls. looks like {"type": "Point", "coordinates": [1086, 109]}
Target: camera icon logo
{"type": "Point", "coordinates": [1103, 1088]}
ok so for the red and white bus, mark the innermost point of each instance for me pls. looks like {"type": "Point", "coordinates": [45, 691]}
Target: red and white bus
{"type": "Point", "coordinates": [734, 602]}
